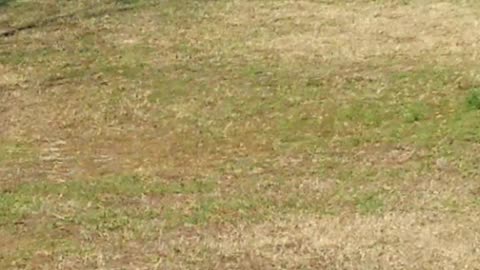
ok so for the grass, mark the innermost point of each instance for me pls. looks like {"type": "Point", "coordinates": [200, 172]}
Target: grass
{"type": "Point", "coordinates": [473, 100]}
{"type": "Point", "coordinates": [239, 134]}
{"type": "Point", "coordinates": [14, 151]}
{"type": "Point", "coordinates": [4, 2]}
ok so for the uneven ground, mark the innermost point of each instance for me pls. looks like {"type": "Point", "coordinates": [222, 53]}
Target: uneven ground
{"type": "Point", "coordinates": [244, 134]}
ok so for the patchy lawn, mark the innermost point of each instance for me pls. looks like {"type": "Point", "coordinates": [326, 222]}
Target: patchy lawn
{"type": "Point", "coordinates": [239, 134]}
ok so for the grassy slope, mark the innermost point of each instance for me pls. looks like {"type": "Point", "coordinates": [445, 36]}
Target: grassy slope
{"type": "Point", "coordinates": [240, 135]}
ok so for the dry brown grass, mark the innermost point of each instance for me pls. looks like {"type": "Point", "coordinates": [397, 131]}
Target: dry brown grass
{"type": "Point", "coordinates": [358, 32]}
{"type": "Point", "coordinates": [392, 241]}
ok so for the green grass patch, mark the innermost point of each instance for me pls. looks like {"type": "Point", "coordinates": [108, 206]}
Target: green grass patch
{"type": "Point", "coordinates": [113, 199]}
{"type": "Point", "coordinates": [369, 204]}
{"type": "Point", "coordinates": [15, 151]}
{"type": "Point", "coordinates": [473, 99]}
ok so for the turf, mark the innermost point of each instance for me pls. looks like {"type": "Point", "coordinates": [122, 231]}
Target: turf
{"type": "Point", "coordinates": [239, 134]}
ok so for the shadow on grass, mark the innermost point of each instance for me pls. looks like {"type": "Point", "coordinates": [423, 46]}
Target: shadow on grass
{"type": "Point", "coordinates": [5, 2]}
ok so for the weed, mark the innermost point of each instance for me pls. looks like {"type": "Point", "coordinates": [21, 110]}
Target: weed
{"type": "Point", "coordinates": [473, 99]}
{"type": "Point", "coordinates": [369, 204]}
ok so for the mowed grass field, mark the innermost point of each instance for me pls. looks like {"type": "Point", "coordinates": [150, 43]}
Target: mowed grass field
{"type": "Point", "coordinates": [240, 134]}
